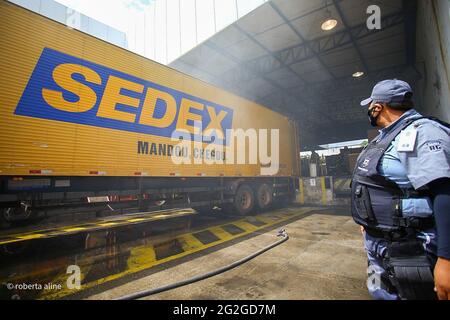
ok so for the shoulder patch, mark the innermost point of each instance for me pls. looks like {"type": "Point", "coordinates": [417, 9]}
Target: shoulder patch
{"type": "Point", "coordinates": [434, 145]}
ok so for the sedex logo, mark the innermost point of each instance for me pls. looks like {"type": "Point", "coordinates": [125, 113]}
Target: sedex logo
{"type": "Point", "coordinates": [70, 89]}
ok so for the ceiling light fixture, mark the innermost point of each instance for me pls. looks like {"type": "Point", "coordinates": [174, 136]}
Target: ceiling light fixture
{"type": "Point", "coordinates": [358, 74]}
{"type": "Point", "coordinates": [330, 22]}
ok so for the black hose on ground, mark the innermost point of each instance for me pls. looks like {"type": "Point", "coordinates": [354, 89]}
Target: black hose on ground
{"type": "Point", "coordinates": [281, 233]}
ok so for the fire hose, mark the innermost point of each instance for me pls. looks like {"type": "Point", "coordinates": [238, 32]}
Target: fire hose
{"type": "Point", "coordinates": [137, 295]}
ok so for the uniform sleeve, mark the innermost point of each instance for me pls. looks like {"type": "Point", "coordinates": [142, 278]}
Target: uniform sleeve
{"type": "Point", "coordinates": [431, 155]}
{"type": "Point", "coordinates": [441, 191]}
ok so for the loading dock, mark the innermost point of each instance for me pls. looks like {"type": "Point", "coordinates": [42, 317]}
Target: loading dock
{"type": "Point", "coordinates": [286, 62]}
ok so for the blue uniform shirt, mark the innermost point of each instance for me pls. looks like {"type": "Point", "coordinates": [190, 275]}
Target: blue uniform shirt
{"type": "Point", "coordinates": [428, 161]}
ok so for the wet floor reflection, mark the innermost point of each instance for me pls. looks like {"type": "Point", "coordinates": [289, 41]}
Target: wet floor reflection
{"type": "Point", "coordinates": [38, 269]}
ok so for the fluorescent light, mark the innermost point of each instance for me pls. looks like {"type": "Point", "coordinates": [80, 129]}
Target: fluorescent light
{"type": "Point", "coordinates": [358, 74]}
{"type": "Point", "coordinates": [329, 24]}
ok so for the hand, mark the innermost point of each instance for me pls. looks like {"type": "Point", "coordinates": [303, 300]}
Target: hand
{"type": "Point", "coordinates": [442, 278]}
{"type": "Point", "coordinates": [362, 230]}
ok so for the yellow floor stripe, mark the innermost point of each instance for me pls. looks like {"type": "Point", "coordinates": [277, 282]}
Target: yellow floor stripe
{"type": "Point", "coordinates": [244, 225]}
{"type": "Point", "coordinates": [159, 216]}
{"type": "Point", "coordinates": [140, 256]}
{"type": "Point", "coordinates": [135, 220]}
{"type": "Point", "coordinates": [347, 183]}
{"type": "Point", "coordinates": [301, 194]}
{"type": "Point", "coordinates": [108, 224]}
{"type": "Point", "coordinates": [337, 183]}
{"type": "Point", "coordinates": [61, 278]}
{"type": "Point", "coordinates": [73, 229]}
{"type": "Point", "coordinates": [10, 241]}
{"type": "Point", "coordinates": [220, 233]}
{"type": "Point", "coordinates": [88, 226]}
{"type": "Point", "coordinates": [189, 242]}
{"type": "Point", "coordinates": [324, 194]}
{"type": "Point", "coordinates": [32, 236]}
{"type": "Point", "coordinates": [267, 219]}
{"type": "Point", "coordinates": [144, 257]}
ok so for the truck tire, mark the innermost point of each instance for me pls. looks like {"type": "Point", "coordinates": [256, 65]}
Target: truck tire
{"type": "Point", "coordinates": [264, 196]}
{"type": "Point", "coordinates": [244, 200]}
{"type": "Point", "coordinates": [8, 218]}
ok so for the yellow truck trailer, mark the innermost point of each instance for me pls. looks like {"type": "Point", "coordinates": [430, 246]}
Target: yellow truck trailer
{"type": "Point", "coordinates": [85, 124]}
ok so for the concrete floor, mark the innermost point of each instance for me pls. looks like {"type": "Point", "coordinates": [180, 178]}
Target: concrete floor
{"type": "Point", "coordinates": [323, 259]}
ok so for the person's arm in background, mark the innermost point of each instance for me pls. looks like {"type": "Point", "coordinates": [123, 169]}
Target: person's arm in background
{"type": "Point", "coordinates": [440, 190]}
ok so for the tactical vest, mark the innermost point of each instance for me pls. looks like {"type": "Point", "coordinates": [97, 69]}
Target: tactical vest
{"type": "Point", "coordinates": [376, 205]}
{"type": "Point", "coordinates": [377, 201]}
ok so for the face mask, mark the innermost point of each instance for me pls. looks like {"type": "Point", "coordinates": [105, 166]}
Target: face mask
{"type": "Point", "coordinates": [372, 119]}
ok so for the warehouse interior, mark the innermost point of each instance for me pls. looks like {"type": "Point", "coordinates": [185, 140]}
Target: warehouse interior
{"type": "Point", "coordinates": [280, 56]}
{"type": "Point", "coordinates": [310, 60]}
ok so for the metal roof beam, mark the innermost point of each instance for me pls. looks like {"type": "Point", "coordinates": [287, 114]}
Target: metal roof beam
{"type": "Point", "coordinates": [322, 45]}
{"type": "Point", "coordinates": [299, 35]}
{"type": "Point", "coordinates": [248, 35]}
{"type": "Point", "coordinates": [341, 91]}
{"type": "Point", "coordinates": [252, 72]}
{"type": "Point", "coordinates": [346, 83]}
{"type": "Point", "coordinates": [352, 38]}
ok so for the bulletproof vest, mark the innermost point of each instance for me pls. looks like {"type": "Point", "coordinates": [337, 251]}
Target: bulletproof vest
{"type": "Point", "coordinates": [376, 201]}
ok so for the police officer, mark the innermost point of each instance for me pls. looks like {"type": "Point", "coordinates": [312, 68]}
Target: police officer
{"type": "Point", "coordinates": [401, 198]}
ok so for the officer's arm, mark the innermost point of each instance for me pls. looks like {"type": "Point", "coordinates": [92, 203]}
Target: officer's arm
{"type": "Point", "coordinates": [429, 165]}
{"type": "Point", "coordinates": [440, 189]}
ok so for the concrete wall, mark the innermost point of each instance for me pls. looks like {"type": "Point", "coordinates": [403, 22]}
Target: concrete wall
{"type": "Point", "coordinates": [433, 57]}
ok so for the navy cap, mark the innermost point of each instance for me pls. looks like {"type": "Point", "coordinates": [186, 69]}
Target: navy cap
{"type": "Point", "coordinates": [391, 90]}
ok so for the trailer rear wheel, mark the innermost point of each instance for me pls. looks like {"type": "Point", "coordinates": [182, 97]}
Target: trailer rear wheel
{"type": "Point", "coordinates": [244, 200]}
{"type": "Point", "coordinates": [18, 216]}
{"type": "Point", "coordinates": [20, 213]}
{"type": "Point", "coordinates": [264, 196]}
